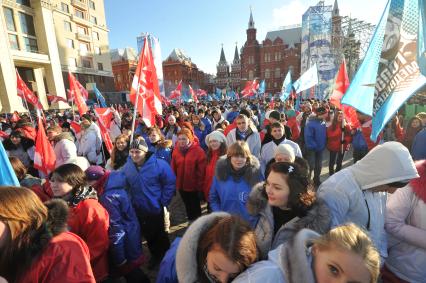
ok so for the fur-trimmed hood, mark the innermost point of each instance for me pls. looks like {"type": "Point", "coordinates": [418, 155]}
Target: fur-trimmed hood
{"type": "Point", "coordinates": [251, 175]}
{"type": "Point", "coordinates": [165, 144]}
{"type": "Point", "coordinates": [318, 217]}
{"type": "Point", "coordinates": [186, 254]}
{"type": "Point", "coordinates": [62, 136]}
{"type": "Point", "coordinates": [57, 216]}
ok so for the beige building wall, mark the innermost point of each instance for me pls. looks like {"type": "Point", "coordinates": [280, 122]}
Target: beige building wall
{"type": "Point", "coordinates": [68, 35]}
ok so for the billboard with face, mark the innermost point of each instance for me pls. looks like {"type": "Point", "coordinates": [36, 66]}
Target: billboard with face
{"type": "Point", "coordinates": [317, 49]}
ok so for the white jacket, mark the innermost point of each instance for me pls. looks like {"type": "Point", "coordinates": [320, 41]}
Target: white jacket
{"type": "Point", "coordinates": [406, 226]}
{"type": "Point", "coordinates": [90, 144]}
{"type": "Point", "coordinates": [349, 195]}
{"type": "Point", "coordinates": [253, 141]}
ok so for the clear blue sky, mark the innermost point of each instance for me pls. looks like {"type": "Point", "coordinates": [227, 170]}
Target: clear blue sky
{"type": "Point", "coordinates": [199, 27]}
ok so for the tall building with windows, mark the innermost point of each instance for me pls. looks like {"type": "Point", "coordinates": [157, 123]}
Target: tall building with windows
{"type": "Point", "coordinates": [44, 40]}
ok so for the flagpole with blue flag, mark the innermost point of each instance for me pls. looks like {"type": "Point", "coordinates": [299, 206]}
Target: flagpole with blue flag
{"type": "Point", "coordinates": [286, 88]}
{"type": "Point", "coordinates": [99, 97]}
{"type": "Point", "coordinates": [360, 93]}
{"type": "Point", "coordinates": [7, 174]}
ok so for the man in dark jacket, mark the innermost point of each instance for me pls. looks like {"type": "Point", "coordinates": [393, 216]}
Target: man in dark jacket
{"type": "Point", "coordinates": [151, 184]}
{"type": "Point", "coordinates": [315, 142]}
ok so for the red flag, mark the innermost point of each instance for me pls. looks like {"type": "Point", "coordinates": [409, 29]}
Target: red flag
{"type": "Point", "coordinates": [44, 156]}
{"type": "Point", "coordinates": [250, 88]}
{"type": "Point", "coordinates": [271, 103]}
{"type": "Point", "coordinates": [76, 94]}
{"type": "Point", "coordinates": [55, 99]}
{"type": "Point", "coordinates": [83, 91]}
{"type": "Point", "coordinates": [177, 92]}
{"type": "Point", "coordinates": [201, 92]}
{"type": "Point", "coordinates": [340, 87]}
{"type": "Point", "coordinates": [26, 93]}
{"type": "Point", "coordinates": [192, 92]}
{"type": "Point", "coordinates": [104, 122]}
{"type": "Point", "coordinates": [75, 126]}
{"type": "Point", "coordinates": [145, 87]}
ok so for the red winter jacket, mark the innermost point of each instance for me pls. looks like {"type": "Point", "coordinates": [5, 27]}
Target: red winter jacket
{"type": "Point", "coordinates": [334, 137]}
{"type": "Point", "coordinates": [65, 259]}
{"type": "Point", "coordinates": [90, 221]}
{"type": "Point", "coordinates": [189, 168]}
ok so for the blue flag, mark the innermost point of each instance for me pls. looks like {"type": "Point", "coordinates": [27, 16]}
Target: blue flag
{"type": "Point", "coordinates": [286, 88]}
{"type": "Point", "coordinates": [360, 93]}
{"type": "Point", "coordinates": [7, 175]}
{"type": "Point", "coordinates": [218, 94]}
{"type": "Point", "coordinates": [399, 75]}
{"type": "Point", "coordinates": [262, 87]}
{"type": "Point", "coordinates": [99, 97]}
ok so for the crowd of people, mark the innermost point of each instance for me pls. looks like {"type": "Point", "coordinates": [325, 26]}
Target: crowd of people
{"type": "Point", "coordinates": [249, 174]}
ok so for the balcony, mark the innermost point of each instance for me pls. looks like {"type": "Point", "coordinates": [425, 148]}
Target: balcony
{"type": "Point", "coordinates": [81, 21]}
{"type": "Point", "coordinates": [79, 4]}
{"type": "Point", "coordinates": [83, 37]}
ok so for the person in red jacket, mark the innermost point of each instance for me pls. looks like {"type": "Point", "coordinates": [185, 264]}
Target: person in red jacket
{"type": "Point", "coordinates": [216, 147]}
{"type": "Point", "coordinates": [34, 243]}
{"type": "Point", "coordinates": [338, 140]}
{"type": "Point", "coordinates": [88, 218]}
{"type": "Point", "coordinates": [189, 166]}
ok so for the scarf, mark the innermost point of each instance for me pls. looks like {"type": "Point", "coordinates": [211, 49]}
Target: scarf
{"type": "Point", "coordinates": [185, 149]}
{"type": "Point", "coordinates": [243, 135]}
{"type": "Point", "coordinates": [236, 174]}
{"type": "Point", "coordinates": [83, 193]}
{"type": "Point", "coordinates": [278, 141]}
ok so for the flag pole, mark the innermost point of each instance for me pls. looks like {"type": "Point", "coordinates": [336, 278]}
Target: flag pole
{"type": "Point", "coordinates": [28, 109]}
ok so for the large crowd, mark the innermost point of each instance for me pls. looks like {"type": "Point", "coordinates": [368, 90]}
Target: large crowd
{"type": "Point", "coordinates": [249, 174]}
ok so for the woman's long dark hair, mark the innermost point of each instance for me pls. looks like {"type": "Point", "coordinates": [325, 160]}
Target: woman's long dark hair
{"type": "Point", "coordinates": [222, 151]}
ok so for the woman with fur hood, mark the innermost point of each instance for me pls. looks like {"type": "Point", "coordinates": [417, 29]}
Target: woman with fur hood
{"type": "Point", "coordinates": [406, 228]}
{"type": "Point", "coordinates": [161, 147]}
{"type": "Point", "coordinates": [34, 243]}
{"type": "Point", "coordinates": [285, 206]}
{"type": "Point", "coordinates": [344, 254]}
{"type": "Point", "coordinates": [236, 174]}
{"type": "Point", "coordinates": [215, 248]}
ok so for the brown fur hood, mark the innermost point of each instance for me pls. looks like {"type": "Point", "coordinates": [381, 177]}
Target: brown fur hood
{"type": "Point", "coordinates": [62, 136]}
{"type": "Point", "coordinates": [252, 174]}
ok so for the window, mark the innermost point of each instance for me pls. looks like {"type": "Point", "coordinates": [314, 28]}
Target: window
{"type": "Point", "coordinates": [95, 35]}
{"type": "Point", "coordinates": [277, 56]}
{"type": "Point", "coordinates": [79, 14]}
{"type": "Point", "coordinates": [92, 4]}
{"type": "Point", "coordinates": [67, 26]}
{"type": "Point", "coordinates": [10, 22]}
{"type": "Point", "coordinates": [27, 24]}
{"type": "Point", "coordinates": [267, 74]}
{"type": "Point", "coordinates": [275, 84]}
{"type": "Point", "coordinates": [86, 62]}
{"type": "Point", "coordinates": [97, 50]}
{"type": "Point", "coordinates": [72, 62]}
{"type": "Point", "coordinates": [13, 41]}
{"type": "Point", "coordinates": [65, 8]}
{"type": "Point", "coordinates": [81, 30]}
{"type": "Point", "coordinates": [277, 73]}
{"type": "Point", "coordinates": [24, 2]}
{"type": "Point", "coordinates": [84, 48]}
{"type": "Point", "coordinates": [94, 20]}
{"type": "Point", "coordinates": [250, 75]}
{"type": "Point", "coordinates": [70, 43]}
{"type": "Point", "coordinates": [30, 44]}
{"type": "Point", "coordinates": [100, 67]}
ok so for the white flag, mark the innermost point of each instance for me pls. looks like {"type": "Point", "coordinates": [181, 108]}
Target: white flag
{"type": "Point", "coordinates": [307, 80]}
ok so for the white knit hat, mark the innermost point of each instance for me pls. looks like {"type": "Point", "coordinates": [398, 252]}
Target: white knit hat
{"type": "Point", "coordinates": [216, 135]}
{"type": "Point", "coordinates": [285, 149]}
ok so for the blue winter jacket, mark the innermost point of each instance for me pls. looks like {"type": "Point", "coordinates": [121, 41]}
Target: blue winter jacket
{"type": "Point", "coordinates": [152, 186]}
{"type": "Point", "coordinates": [315, 134]}
{"type": "Point", "coordinates": [201, 135]}
{"type": "Point", "coordinates": [167, 272]}
{"type": "Point", "coordinates": [164, 153]}
{"type": "Point", "coordinates": [418, 149]}
{"type": "Point", "coordinates": [124, 230]}
{"type": "Point", "coordinates": [208, 124]}
{"type": "Point", "coordinates": [358, 141]}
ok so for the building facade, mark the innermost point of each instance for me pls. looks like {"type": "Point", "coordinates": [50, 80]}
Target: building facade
{"type": "Point", "coordinates": [124, 62]}
{"type": "Point", "coordinates": [270, 60]}
{"type": "Point", "coordinates": [178, 66]}
{"type": "Point", "coordinates": [44, 40]}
